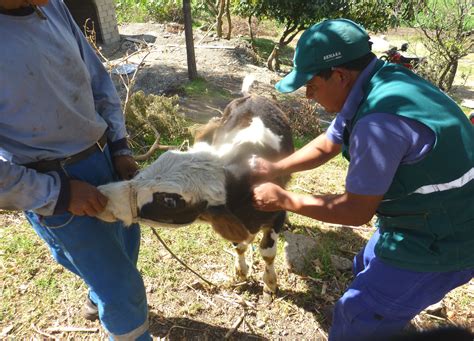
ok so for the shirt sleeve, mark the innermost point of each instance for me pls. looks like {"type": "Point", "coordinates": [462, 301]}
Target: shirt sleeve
{"type": "Point", "coordinates": [335, 130]}
{"type": "Point", "coordinates": [376, 151]}
{"type": "Point", "coordinates": [106, 99]}
{"type": "Point", "coordinates": [25, 189]}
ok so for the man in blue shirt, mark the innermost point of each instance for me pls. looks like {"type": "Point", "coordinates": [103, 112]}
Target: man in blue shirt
{"type": "Point", "coordinates": [411, 165]}
{"type": "Point", "coordinates": [62, 134]}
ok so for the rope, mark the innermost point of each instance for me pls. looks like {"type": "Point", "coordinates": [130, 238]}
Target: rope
{"type": "Point", "coordinates": [179, 260]}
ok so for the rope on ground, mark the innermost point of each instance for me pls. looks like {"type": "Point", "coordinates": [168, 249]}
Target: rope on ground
{"type": "Point", "coordinates": [179, 260]}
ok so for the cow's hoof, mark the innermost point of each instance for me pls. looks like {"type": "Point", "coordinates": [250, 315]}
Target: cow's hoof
{"type": "Point", "coordinates": [269, 296]}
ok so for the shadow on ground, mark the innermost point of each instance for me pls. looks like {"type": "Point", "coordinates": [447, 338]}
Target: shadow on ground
{"type": "Point", "coordinates": [176, 328]}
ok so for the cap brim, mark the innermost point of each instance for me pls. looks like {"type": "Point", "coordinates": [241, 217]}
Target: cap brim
{"type": "Point", "coordinates": [293, 81]}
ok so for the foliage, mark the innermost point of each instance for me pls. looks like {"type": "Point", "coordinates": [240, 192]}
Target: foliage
{"type": "Point", "coordinates": [448, 30]}
{"type": "Point", "coordinates": [379, 15]}
{"type": "Point", "coordinates": [295, 16]}
{"type": "Point", "coordinates": [144, 10]}
{"type": "Point", "coordinates": [147, 115]}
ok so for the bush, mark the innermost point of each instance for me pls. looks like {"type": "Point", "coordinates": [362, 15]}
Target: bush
{"type": "Point", "coordinates": [147, 115]}
{"type": "Point", "coordinates": [304, 120]}
{"type": "Point", "coordinates": [145, 10]}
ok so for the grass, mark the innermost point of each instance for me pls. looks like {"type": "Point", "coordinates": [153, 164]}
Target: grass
{"type": "Point", "coordinates": [204, 90]}
{"type": "Point", "coordinates": [38, 296]}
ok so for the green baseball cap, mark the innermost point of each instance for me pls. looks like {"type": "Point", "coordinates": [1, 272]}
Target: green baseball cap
{"type": "Point", "coordinates": [330, 43]}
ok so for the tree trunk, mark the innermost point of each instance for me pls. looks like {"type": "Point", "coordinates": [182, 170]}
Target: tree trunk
{"type": "Point", "coordinates": [272, 62]}
{"type": "Point", "coordinates": [291, 30]}
{"type": "Point", "coordinates": [252, 39]}
{"type": "Point", "coordinates": [188, 32]}
{"type": "Point", "coordinates": [453, 68]}
{"type": "Point", "coordinates": [219, 18]}
{"type": "Point", "coordinates": [229, 21]}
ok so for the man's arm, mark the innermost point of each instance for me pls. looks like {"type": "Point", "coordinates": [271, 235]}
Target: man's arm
{"type": "Point", "coordinates": [346, 209]}
{"type": "Point", "coordinates": [312, 155]}
{"type": "Point", "coordinates": [107, 104]}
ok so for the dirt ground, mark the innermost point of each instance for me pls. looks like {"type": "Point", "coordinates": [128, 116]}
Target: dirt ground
{"type": "Point", "coordinates": [222, 63]}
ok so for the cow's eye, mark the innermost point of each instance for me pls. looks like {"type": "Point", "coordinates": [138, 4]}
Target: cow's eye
{"type": "Point", "coordinates": [170, 202]}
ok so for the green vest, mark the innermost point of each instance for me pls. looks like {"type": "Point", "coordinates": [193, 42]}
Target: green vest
{"type": "Point", "coordinates": [426, 218]}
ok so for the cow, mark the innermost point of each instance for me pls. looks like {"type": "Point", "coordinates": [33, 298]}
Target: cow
{"type": "Point", "coordinates": [212, 182]}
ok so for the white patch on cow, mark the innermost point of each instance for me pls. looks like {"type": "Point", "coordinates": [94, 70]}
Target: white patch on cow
{"type": "Point", "coordinates": [240, 263]}
{"type": "Point", "coordinates": [118, 206]}
{"type": "Point", "coordinates": [255, 133]}
{"type": "Point", "coordinates": [195, 175]}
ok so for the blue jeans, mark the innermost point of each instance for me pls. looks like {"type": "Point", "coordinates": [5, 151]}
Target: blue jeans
{"type": "Point", "coordinates": [382, 299]}
{"type": "Point", "coordinates": [103, 254]}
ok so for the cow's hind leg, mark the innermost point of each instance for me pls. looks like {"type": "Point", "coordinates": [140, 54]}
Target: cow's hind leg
{"type": "Point", "coordinates": [268, 248]}
{"type": "Point", "coordinates": [240, 265]}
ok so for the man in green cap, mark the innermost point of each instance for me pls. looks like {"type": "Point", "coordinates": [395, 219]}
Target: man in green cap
{"type": "Point", "coordinates": [411, 155]}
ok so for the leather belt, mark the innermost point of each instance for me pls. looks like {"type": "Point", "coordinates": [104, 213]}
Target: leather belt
{"type": "Point", "coordinates": [58, 164]}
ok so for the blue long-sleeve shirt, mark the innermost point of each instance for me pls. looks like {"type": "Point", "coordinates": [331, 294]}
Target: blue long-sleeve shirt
{"type": "Point", "coordinates": [56, 99]}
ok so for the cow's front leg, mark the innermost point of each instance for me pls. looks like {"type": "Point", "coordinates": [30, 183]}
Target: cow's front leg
{"type": "Point", "coordinates": [240, 264]}
{"type": "Point", "coordinates": [268, 247]}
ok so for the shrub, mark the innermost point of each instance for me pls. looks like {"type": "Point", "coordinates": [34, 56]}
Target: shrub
{"type": "Point", "coordinates": [149, 115]}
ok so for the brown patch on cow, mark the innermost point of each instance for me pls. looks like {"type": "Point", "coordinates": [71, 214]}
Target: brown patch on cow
{"type": "Point", "coordinates": [240, 251]}
{"type": "Point", "coordinates": [227, 226]}
{"type": "Point", "coordinates": [206, 132]}
{"type": "Point", "coordinates": [268, 260]}
{"type": "Point", "coordinates": [267, 240]}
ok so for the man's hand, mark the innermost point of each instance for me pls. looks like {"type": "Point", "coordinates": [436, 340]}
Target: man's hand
{"type": "Point", "coordinates": [269, 197]}
{"type": "Point", "coordinates": [125, 166]}
{"type": "Point", "coordinates": [262, 169]}
{"type": "Point", "coordinates": [86, 199]}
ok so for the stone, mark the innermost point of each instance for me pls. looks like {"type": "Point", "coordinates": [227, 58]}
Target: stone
{"type": "Point", "coordinates": [298, 250]}
{"type": "Point", "coordinates": [341, 263]}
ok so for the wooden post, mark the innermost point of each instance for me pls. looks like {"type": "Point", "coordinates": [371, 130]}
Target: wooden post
{"type": "Point", "coordinates": [188, 32]}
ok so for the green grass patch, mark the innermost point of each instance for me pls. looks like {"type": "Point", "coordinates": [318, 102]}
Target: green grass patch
{"type": "Point", "coordinates": [201, 88]}
{"type": "Point", "coordinates": [264, 47]}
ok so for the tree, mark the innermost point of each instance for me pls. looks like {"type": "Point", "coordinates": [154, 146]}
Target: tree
{"type": "Point", "coordinates": [448, 30]}
{"type": "Point", "coordinates": [188, 32]}
{"type": "Point", "coordinates": [219, 8]}
{"type": "Point", "coordinates": [298, 15]}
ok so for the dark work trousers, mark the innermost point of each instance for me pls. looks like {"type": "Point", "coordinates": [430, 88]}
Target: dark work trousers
{"type": "Point", "coordinates": [382, 299]}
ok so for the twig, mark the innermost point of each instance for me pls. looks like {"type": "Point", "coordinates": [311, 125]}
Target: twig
{"type": "Point", "coordinates": [228, 301]}
{"type": "Point", "coordinates": [167, 337]}
{"type": "Point", "coordinates": [236, 325]}
{"type": "Point", "coordinates": [68, 329]}
{"type": "Point", "coordinates": [36, 329]}
{"type": "Point", "coordinates": [218, 110]}
{"type": "Point", "coordinates": [205, 35]}
{"type": "Point", "coordinates": [202, 296]}
{"type": "Point", "coordinates": [179, 260]}
{"type": "Point", "coordinates": [350, 227]}
{"type": "Point", "coordinates": [250, 326]}
{"type": "Point", "coordinates": [204, 46]}
{"type": "Point", "coordinates": [322, 334]}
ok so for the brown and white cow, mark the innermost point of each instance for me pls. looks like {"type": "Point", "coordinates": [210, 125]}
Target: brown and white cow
{"type": "Point", "coordinates": [211, 182]}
